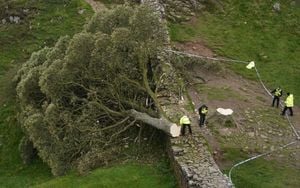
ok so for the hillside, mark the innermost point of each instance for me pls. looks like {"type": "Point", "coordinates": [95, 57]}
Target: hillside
{"type": "Point", "coordinates": [246, 30]}
{"type": "Point", "coordinates": [251, 31]}
{"type": "Point", "coordinates": [204, 33]}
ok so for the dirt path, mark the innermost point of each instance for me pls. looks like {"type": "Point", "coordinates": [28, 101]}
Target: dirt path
{"type": "Point", "coordinates": [96, 5]}
{"type": "Point", "coordinates": [260, 127]}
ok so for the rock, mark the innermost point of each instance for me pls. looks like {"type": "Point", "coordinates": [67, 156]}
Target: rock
{"type": "Point", "coordinates": [3, 21]}
{"type": "Point", "coordinates": [225, 132]}
{"type": "Point", "coordinates": [17, 19]}
{"type": "Point", "coordinates": [190, 161]}
{"type": "Point", "coordinates": [265, 147]}
{"type": "Point", "coordinates": [212, 170]}
{"type": "Point", "coordinates": [25, 10]}
{"type": "Point", "coordinates": [195, 176]}
{"type": "Point", "coordinates": [272, 148]}
{"type": "Point", "coordinates": [177, 150]}
{"type": "Point", "coordinates": [276, 7]}
{"type": "Point", "coordinates": [81, 11]}
{"type": "Point", "coordinates": [191, 182]}
{"type": "Point", "coordinates": [11, 19]}
{"type": "Point", "coordinates": [263, 136]}
{"type": "Point", "coordinates": [14, 19]}
{"type": "Point", "coordinates": [251, 134]}
{"type": "Point", "coordinates": [245, 149]}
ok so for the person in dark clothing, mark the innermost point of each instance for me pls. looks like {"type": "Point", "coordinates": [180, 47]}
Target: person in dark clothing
{"type": "Point", "coordinates": [277, 93]}
{"type": "Point", "coordinates": [203, 110]}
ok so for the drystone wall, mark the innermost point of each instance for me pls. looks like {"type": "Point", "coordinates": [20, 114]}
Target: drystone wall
{"type": "Point", "coordinates": [193, 164]}
{"type": "Point", "coordinates": [182, 10]}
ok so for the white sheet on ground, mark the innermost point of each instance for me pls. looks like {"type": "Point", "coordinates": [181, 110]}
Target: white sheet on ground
{"type": "Point", "coordinates": [225, 112]}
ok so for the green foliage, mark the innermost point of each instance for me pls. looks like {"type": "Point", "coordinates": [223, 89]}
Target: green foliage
{"type": "Point", "coordinates": [107, 20]}
{"type": "Point", "coordinates": [252, 30]}
{"type": "Point", "coordinates": [74, 96]}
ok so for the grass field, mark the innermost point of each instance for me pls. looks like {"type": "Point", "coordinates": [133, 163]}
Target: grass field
{"type": "Point", "coordinates": [252, 30]}
{"type": "Point", "coordinates": [263, 173]}
{"type": "Point", "coordinates": [121, 176]}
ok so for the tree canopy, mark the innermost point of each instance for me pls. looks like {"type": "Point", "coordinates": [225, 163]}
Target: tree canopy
{"type": "Point", "coordinates": [76, 97]}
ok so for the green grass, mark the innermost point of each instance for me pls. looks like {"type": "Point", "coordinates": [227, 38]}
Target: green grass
{"type": "Point", "coordinates": [233, 155]}
{"type": "Point", "coordinates": [221, 94]}
{"type": "Point", "coordinates": [261, 173]}
{"type": "Point", "coordinates": [251, 30]}
{"type": "Point", "coordinates": [128, 175]}
{"type": "Point", "coordinates": [48, 21]}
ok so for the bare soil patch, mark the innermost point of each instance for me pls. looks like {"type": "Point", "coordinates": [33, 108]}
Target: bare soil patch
{"type": "Point", "coordinates": [96, 5]}
{"type": "Point", "coordinates": [197, 47]}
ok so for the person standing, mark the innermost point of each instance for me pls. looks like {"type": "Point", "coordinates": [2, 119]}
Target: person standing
{"type": "Point", "coordinates": [203, 110]}
{"type": "Point", "coordinates": [185, 122]}
{"type": "Point", "coordinates": [277, 93]}
{"type": "Point", "coordinates": [289, 103]}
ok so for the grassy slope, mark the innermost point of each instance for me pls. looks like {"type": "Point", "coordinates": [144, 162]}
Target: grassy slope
{"type": "Point", "coordinates": [128, 175]}
{"type": "Point", "coordinates": [251, 30]}
{"type": "Point", "coordinates": [265, 174]}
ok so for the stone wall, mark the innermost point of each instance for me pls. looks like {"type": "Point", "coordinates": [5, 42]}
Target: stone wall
{"type": "Point", "coordinates": [193, 164]}
{"type": "Point", "coordinates": [184, 10]}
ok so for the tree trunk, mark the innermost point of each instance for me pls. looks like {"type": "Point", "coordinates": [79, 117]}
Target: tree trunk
{"type": "Point", "coordinates": [161, 123]}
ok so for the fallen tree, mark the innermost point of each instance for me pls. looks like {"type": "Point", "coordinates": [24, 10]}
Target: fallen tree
{"type": "Point", "coordinates": [80, 98]}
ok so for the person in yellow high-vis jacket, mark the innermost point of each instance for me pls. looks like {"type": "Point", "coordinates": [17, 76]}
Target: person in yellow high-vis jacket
{"type": "Point", "coordinates": [289, 103]}
{"type": "Point", "coordinates": [185, 122]}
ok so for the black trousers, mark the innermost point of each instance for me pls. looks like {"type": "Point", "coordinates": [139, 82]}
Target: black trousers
{"type": "Point", "coordinates": [202, 120]}
{"type": "Point", "coordinates": [183, 128]}
{"type": "Point", "coordinates": [290, 109]}
{"type": "Point", "coordinates": [275, 98]}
